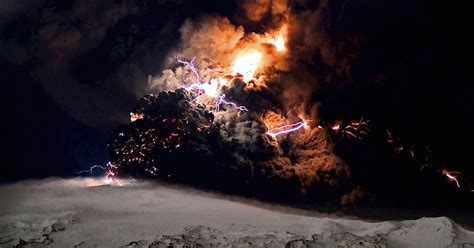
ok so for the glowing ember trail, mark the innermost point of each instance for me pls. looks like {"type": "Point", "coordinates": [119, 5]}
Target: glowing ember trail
{"type": "Point", "coordinates": [286, 129]}
{"type": "Point", "coordinates": [246, 65]}
{"type": "Point", "coordinates": [356, 129]}
{"type": "Point", "coordinates": [451, 177]}
{"type": "Point", "coordinates": [209, 89]}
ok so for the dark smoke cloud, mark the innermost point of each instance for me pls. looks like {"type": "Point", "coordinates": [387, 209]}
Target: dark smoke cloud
{"type": "Point", "coordinates": [177, 139]}
{"type": "Point", "coordinates": [303, 166]}
{"type": "Point", "coordinates": [11, 9]}
{"type": "Point", "coordinates": [96, 51]}
{"type": "Point", "coordinates": [93, 58]}
{"type": "Point", "coordinates": [268, 13]}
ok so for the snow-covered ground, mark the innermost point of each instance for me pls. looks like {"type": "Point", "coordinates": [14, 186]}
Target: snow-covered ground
{"type": "Point", "coordinates": [81, 213]}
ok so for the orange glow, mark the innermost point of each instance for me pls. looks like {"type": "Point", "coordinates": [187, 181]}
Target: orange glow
{"type": "Point", "coordinates": [451, 177]}
{"type": "Point", "coordinates": [306, 126]}
{"type": "Point", "coordinates": [254, 56]}
{"type": "Point", "coordinates": [276, 124]}
{"type": "Point", "coordinates": [337, 126]}
{"type": "Point", "coordinates": [135, 116]}
{"type": "Point", "coordinates": [246, 65]}
{"type": "Point", "coordinates": [273, 120]}
{"type": "Point", "coordinates": [279, 43]}
{"type": "Point", "coordinates": [212, 87]}
{"type": "Point", "coordinates": [278, 40]}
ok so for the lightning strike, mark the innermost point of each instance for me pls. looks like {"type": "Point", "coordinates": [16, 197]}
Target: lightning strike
{"type": "Point", "coordinates": [286, 129]}
{"type": "Point", "coordinates": [210, 89]}
{"type": "Point", "coordinates": [190, 65]}
{"type": "Point", "coordinates": [109, 177]}
{"type": "Point", "coordinates": [221, 100]}
{"type": "Point", "coordinates": [110, 172]}
{"type": "Point", "coordinates": [91, 169]}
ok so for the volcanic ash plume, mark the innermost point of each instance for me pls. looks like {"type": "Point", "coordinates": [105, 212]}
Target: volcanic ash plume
{"type": "Point", "coordinates": [234, 113]}
{"type": "Point", "coordinates": [178, 139]}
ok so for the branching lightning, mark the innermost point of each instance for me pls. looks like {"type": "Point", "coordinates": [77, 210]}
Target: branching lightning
{"type": "Point", "coordinates": [109, 168]}
{"type": "Point", "coordinates": [247, 67]}
{"type": "Point", "coordinates": [221, 100]}
{"type": "Point", "coordinates": [190, 65]}
{"type": "Point", "coordinates": [111, 173]}
{"type": "Point", "coordinates": [204, 88]}
{"type": "Point", "coordinates": [91, 169]}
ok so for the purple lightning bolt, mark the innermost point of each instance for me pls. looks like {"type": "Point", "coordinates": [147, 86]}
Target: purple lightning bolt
{"type": "Point", "coordinates": [286, 129]}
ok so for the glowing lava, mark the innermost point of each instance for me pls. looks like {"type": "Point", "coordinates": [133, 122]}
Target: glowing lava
{"type": "Point", "coordinates": [246, 65]}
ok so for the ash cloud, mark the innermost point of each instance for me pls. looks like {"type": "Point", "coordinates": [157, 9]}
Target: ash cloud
{"type": "Point", "coordinates": [179, 140]}
{"type": "Point", "coordinates": [240, 157]}
{"type": "Point", "coordinates": [96, 58]}
{"type": "Point", "coordinates": [314, 56]}
{"type": "Point", "coordinates": [236, 154]}
{"type": "Point", "coordinates": [92, 58]}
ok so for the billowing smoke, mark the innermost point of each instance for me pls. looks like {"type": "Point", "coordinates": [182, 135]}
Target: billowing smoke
{"type": "Point", "coordinates": [178, 139]}
{"type": "Point", "coordinates": [314, 100]}
{"type": "Point", "coordinates": [237, 110]}
{"type": "Point", "coordinates": [193, 132]}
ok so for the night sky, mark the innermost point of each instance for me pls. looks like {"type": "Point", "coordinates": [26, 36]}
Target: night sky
{"type": "Point", "coordinates": [73, 70]}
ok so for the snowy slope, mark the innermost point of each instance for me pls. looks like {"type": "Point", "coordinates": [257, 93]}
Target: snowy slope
{"type": "Point", "coordinates": [80, 213]}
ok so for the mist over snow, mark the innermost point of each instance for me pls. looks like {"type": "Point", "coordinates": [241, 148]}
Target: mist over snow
{"type": "Point", "coordinates": [85, 213]}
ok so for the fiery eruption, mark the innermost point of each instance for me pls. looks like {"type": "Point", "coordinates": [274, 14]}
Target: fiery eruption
{"type": "Point", "coordinates": [204, 125]}
{"type": "Point", "coordinates": [246, 65]}
{"type": "Point", "coordinates": [278, 40]}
